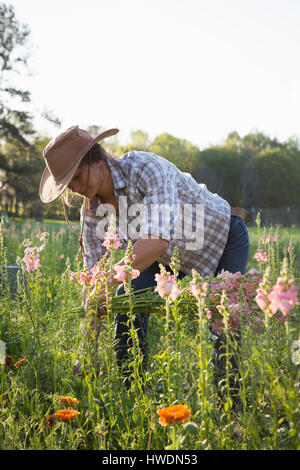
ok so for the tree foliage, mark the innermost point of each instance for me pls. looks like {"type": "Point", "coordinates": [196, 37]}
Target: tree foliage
{"type": "Point", "coordinates": [250, 171]}
{"type": "Point", "coordinates": [180, 152]}
{"type": "Point", "coordinates": [220, 169]}
{"type": "Point", "coordinates": [246, 171]}
{"type": "Point", "coordinates": [15, 123]}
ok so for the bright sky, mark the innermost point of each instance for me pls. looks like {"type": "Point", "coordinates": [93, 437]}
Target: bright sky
{"type": "Point", "coordinates": [197, 69]}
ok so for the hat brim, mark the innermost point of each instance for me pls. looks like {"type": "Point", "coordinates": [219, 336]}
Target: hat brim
{"type": "Point", "coordinates": [51, 188]}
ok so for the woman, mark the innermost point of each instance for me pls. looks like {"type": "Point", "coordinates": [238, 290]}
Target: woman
{"type": "Point", "coordinates": [156, 206]}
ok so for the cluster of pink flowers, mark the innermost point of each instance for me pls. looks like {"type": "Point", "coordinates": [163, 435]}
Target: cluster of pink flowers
{"type": "Point", "coordinates": [98, 273]}
{"type": "Point", "coordinates": [42, 236]}
{"type": "Point", "coordinates": [112, 241]}
{"type": "Point", "coordinates": [240, 293]}
{"type": "Point", "coordinates": [97, 276]}
{"type": "Point", "coordinates": [125, 272]}
{"type": "Point", "coordinates": [32, 259]}
{"type": "Point", "coordinates": [261, 257]}
{"type": "Point", "coordinates": [281, 297]}
{"type": "Point", "coordinates": [230, 298]}
{"type": "Point", "coordinates": [167, 286]}
{"type": "Point", "coordinates": [92, 279]}
{"type": "Point", "coordinates": [270, 238]}
{"type": "Point", "coordinates": [198, 289]}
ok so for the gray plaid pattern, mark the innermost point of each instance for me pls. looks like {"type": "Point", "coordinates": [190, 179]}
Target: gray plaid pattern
{"type": "Point", "coordinates": [146, 178]}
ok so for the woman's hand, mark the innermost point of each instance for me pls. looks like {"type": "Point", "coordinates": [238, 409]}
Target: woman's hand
{"type": "Point", "coordinates": [91, 299]}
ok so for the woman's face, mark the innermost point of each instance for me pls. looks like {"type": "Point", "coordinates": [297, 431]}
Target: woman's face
{"type": "Point", "coordinates": [84, 181]}
{"type": "Point", "coordinates": [87, 181]}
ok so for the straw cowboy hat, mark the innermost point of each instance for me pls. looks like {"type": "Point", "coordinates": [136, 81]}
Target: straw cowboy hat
{"type": "Point", "coordinates": [63, 155]}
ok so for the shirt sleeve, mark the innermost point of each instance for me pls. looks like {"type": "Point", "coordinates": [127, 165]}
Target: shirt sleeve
{"type": "Point", "coordinates": [156, 183]}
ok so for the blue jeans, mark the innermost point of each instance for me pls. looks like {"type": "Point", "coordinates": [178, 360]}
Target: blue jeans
{"type": "Point", "coordinates": [234, 258]}
{"type": "Point", "coordinates": [236, 253]}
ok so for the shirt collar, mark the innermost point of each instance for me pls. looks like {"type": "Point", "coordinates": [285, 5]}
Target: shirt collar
{"type": "Point", "coordinates": [117, 173]}
{"type": "Point", "coordinates": [118, 177]}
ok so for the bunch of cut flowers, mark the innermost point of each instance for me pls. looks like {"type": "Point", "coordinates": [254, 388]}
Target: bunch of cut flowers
{"type": "Point", "coordinates": [228, 300]}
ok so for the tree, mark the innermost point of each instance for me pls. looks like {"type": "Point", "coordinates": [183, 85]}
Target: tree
{"type": "Point", "coordinates": [278, 178]}
{"type": "Point", "coordinates": [14, 124]}
{"type": "Point", "coordinates": [23, 167]}
{"type": "Point", "coordinates": [270, 170]}
{"type": "Point", "coordinates": [20, 164]}
{"type": "Point", "coordinates": [139, 140]}
{"type": "Point", "coordinates": [248, 147]}
{"type": "Point", "coordinates": [219, 168]}
{"type": "Point", "coordinates": [181, 152]}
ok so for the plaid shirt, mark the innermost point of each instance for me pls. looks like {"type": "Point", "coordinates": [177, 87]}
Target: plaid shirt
{"type": "Point", "coordinates": [152, 181]}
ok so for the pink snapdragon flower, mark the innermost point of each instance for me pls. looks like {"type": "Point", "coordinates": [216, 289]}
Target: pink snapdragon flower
{"type": "Point", "coordinates": [229, 280]}
{"type": "Point", "coordinates": [227, 275]}
{"type": "Point", "coordinates": [112, 241]}
{"type": "Point", "coordinates": [43, 236]}
{"type": "Point", "coordinates": [87, 279]}
{"type": "Point", "coordinates": [166, 286]}
{"type": "Point", "coordinates": [125, 272]}
{"type": "Point", "coordinates": [283, 297]}
{"type": "Point", "coordinates": [32, 259]}
{"type": "Point", "coordinates": [129, 258]}
{"type": "Point", "coordinates": [97, 269]}
{"type": "Point", "coordinates": [253, 272]}
{"type": "Point", "coordinates": [261, 257]}
{"type": "Point", "coordinates": [97, 274]}
{"type": "Point", "coordinates": [83, 278]}
{"type": "Point", "coordinates": [74, 276]}
{"type": "Point", "coordinates": [32, 263]}
{"type": "Point", "coordinates": [198, 289]}
{"type": "Point", "coordinates": [262, 299]}
{"type": "Point", "coordinates": [249, 288]}
{"type": "Point", "coordinates": [270, 238]}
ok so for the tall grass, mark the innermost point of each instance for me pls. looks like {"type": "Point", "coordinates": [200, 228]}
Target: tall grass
{"type": "Point", "coordinates": [34, 325]}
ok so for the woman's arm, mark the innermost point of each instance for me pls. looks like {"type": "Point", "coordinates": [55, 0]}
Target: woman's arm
{"type": "Point", "coordinates": [146, 251]}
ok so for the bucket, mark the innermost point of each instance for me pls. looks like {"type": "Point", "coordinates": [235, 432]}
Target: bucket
{"type": "Point", "coordinates": [12, 272]}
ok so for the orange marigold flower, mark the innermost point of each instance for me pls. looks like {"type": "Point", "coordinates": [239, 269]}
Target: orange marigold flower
{"type": "Point", "coordinates": [69, 400]}
{"type": "Point", "coordinates": [176, 414]}
{"type": "Point", "coordinates": [66, 415]}
{"type": "Point", "coordinates": [21, 362]}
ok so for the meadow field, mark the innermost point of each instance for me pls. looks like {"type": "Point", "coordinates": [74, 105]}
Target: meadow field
{"type": "Point", "coordinates": [44, 405]}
